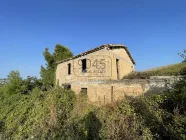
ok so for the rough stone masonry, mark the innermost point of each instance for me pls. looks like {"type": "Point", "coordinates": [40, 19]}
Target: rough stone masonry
{"type": "Point", "coordinates": [99, 73]}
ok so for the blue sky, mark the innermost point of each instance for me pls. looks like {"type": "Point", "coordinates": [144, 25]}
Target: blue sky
{"type": "Point", "coordinates": [153, 30]}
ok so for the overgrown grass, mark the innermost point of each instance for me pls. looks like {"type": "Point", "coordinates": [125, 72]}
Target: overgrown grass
{"type": "Point", "coordinates": [176, 69]}
{"type": "Point", "coordinates": [58, 114]}
{"type": "Point", "coordinates": [35, 115]}
{"type": "Point", "coordinates": [118, 122]}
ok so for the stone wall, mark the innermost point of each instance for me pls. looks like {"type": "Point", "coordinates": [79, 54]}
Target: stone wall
{"type": "Point", "coordinates": [106, 92]}
{"type": "Point", "coordinates": [109, 57]}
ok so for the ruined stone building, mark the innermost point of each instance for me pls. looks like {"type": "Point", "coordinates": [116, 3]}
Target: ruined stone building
{"type": "Point", "coordinates": [99, 72]}
{"type": "Point", "coordinates": [107, 62]}
{"type": "Point", "coordinates": [96, 71]}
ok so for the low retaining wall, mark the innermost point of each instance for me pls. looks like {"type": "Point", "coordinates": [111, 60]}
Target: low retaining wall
{"type": "Point", "coordinates": [106, 92]}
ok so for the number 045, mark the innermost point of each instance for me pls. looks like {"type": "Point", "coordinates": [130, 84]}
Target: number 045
{"type": "Point", "coordinates": [99, 64]}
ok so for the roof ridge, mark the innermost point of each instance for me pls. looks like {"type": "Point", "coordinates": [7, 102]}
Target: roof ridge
{"type": "Point", "coordinates": [108, 46]}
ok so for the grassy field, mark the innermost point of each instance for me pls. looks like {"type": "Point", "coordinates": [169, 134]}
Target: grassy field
{"type": "Point", "coordinates": [175, 69]}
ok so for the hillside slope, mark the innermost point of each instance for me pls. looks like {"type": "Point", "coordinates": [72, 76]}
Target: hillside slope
{"type": "Point", "coordinates": [175, 69]}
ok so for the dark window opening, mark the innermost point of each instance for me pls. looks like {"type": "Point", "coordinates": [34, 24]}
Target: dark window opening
{"type": "Point", "coordinates": [84, 91]}
{"type": "Point", "coordinates": [84, 65]}
{"type": "Point", "coordinates": [69, 69]}
{"type": "Point", "coordinates": [67, 86]}
{"type": "Point", "coordinates": [117, 68]}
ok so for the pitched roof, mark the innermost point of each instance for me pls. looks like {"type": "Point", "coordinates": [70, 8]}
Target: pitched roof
{"type": "Point", "coordinates": [105, 46]}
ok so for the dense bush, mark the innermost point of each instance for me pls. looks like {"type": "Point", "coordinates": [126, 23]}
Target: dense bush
{"type": "Point", "coordinates": [59, 114]}
{"type": "Point", "coordinates": [35, 115]}
{"type": "Point", "coordinates": [28, 84]}
{"type": "Point", "coordinates": [164, 114]}
{"type": "Point", "coordinates": [55, 114]}
{"type": "Point", "coordinates": [153, 116]}
{"type": "Point", "coordinates": [16, 85]}
{"type": "Point", "coordinates": [88, 122]}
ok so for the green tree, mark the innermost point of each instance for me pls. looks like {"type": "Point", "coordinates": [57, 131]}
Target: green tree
{"type": "Point", "coordinates": [29, 84]}
{"type": "Point", "coordinates": [14, 83]}
{"type": "Point", "coordinates": [48, 73]}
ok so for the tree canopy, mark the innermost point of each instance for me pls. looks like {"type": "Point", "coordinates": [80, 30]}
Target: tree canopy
{"type": "Point", "coordinates": [48, 73]}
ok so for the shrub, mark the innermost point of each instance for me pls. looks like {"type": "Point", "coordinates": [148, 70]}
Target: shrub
{"type": "Point", "coordinates": [28, 84]}
{"type": "Point", "coordinates": [183, 70]}
{"type": "Point", "coordinates": [164, 114]}
{"type": "Point", "coordinates": [90, 122]}
{"type": "Point", "coordinates": [176, 97]}
{"type": "Point", "coordinates": [138, 75]}
{"type": "Point", "coordinates": [58, 114]}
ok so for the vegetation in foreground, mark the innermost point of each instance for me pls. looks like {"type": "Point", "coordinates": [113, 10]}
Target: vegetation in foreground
{"type": "Point", "coordinates": [172, 70]}
{"type": "Point", "coordinates": [59, 114]}
{"type": "Point", "coordinates": [33, 109]}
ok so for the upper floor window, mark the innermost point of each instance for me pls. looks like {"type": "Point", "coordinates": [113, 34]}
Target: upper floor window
{"type": "Point", "coordinates": [84, 65]}
{"type": "Point", "coordinates": [69, 69]}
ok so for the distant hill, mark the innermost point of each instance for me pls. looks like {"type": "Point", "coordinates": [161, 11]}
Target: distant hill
{"type": "Point", "coordinates": [168, 69]}
{"type": "Point", "coordinates": [174, 69]}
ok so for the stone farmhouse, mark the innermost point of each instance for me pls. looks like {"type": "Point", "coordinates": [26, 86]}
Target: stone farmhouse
{"type": "Point", "coordinates": [106, 62]}
{"type": "Point", "coordinates": [95, 72]}
{"type": "Point", "coordinates": [99, 74]}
